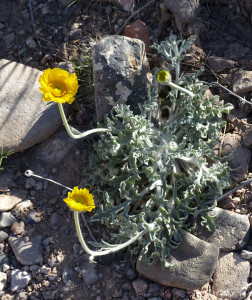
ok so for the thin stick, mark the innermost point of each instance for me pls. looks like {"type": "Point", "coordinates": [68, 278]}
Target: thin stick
{"type": "Point", "coordinates": [241, 185]}
{"type": "Point", "coordinates": [126, 22]}
{"type": "Point", "coordinates": [230, 92]}
{"type": "Point", "coordinates": [86, 224]}
{"type": "Point", "coordinates": [33, 25]}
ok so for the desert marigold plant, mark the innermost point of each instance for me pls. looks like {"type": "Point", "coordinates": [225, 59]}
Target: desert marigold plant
{"type": "Point", "coordinates": [152, 179]}
{"type": "Point", "coordinates": [58, 85]}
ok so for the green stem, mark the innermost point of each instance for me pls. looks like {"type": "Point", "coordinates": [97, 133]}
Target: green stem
{"type": "Point", "coordinates": [104, 252]}
{"type": "Point", "coordinates": [69, 131]}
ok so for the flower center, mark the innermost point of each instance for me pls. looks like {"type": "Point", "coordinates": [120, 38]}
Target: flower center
{"type": "Point", "coordinates": [59, 88]}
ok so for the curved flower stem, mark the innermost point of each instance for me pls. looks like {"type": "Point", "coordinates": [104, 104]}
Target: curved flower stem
{"type": "Point", "coordinates": [173, 85]}
{"type": "Point", "coordinates": [114, 248]}
{"type": "Point", "coordinates": [69, 131]}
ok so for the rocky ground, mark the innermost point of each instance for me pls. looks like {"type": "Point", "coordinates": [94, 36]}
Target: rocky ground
{"type": "Point", "coordinates": [40, 257]}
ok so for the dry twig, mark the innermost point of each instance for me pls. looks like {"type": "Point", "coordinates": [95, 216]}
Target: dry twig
{"type": "Point", "coordinates": [33, 24]}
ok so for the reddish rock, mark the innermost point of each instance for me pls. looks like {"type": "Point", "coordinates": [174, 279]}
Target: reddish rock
{"type": "Point", "coordinates": [138, 30]}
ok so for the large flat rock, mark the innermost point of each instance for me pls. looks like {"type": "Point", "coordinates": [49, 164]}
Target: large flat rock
{"type": "Point", "coordinates": [25, 119]}
{"type": "Point", "coordinates": [195, 262]}
{"type": "Point", "coordinates": [232, 230]}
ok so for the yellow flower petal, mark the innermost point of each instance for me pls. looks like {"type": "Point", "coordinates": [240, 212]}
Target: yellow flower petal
{"type": "Point", "coordinates": [58, 85]}
{"type": "Point", "coordinates": [80, 200]}
{"type": "Point", "coordinates": [164, 77]}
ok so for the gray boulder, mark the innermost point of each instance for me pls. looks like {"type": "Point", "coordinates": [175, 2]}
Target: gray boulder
{"type": "Point", "coordinates": [25, 119]}
{"type": "Point", "coordinates": [120, 71]}
{"type": "Point", "coordinates": [232, 230]}
{"type": "Point", "coordinates": [195, 262]}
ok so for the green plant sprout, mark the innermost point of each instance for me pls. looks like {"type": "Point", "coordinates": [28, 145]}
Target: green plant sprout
{"type": "Point", "coordinates": [4, 156]}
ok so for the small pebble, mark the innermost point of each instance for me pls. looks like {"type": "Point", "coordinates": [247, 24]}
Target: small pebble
{"type": "Point", "coordinates": [3, 236]}
{"type": "Point", "coordinates": [140, 285]}
{"type": "Point", "coordinates": [29, 183]}
{"type": "Point", "coordinates": [30, 43]}
{"type": "Point", "coordinates": [39, 186]}
{"type": "Point", "coordinates": [246, 254]}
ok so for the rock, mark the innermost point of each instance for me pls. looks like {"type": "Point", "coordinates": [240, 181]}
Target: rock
{"type": "Point", "coordinates": [22, 296]}
{"type": "Point", "coordinates": [244, 129]}
{"type": "Point", "coordinates": [75, 34]}
{"type": "Point", "coordinates": [46, 270]}
{"type": "Point", "coordinates": [184, 11]}
{"type": "Point", "coordinates": [227, 203]}
{"type": "Point", "coordinates": [54, 219]}
{"type": "Point", "coordinates": [45, 11]}
{"type": "Point", "coordinates": [67, 275]}
{"type": "Point", "coordinates": [219, 64]}
{"type": "Point", "coordinates": [246, 254]}
{"type": "Point", "coordinates": [122, 61]}
{"type": "Point", "coordinates": [232, 230]}
{"type": "Point", "coordinates": [89, 273]}
{"type": "Point", "coordinates": [242, 82]}
{"type": "Point", "coordinates": [54, 149]}
{"type": "Point", "coordinates": [195, 261]}
{"type": "Point", "coordinates": [3, 281]}
{"type": "Point", "coordinates": [127, 5]}
{"type": "Point", "coordinates": [230, 276]}
{"type": "Point", "coordinates": [178, 293]}
{"type": "Point", "coordinates": [131, 274]}
{"type": "Point", "coordinates": [240, 155]}
{"type": "Point", "coordinates": [27, 253]}
{"type": "Point", "coordinates": [30, 183]}
{"type": "Point", "coordinates": [4, 260]}
{"type": "Point", "coordinates": [3, 236]}
{"type": "Point", "coordinates": [138, 30]}
{"type": "Point", "coordinates": [18, 228]}
{"type": "Point", "coordinates": [30, 43]}
{"type": "Point", "coordinates": [195, 56]}
{"type": "Point", "coordinates": [33, 217]}
{"type": "Point", "coordinates": [9, 39]}
{"type": "Point", "coordinates": [66, 65]}
{"type": "Point", "coordinates": [8, 201]}
{"type": "Point", "coordinates": [19, 280]}
{"type": "Point", "coordinates": [20, 130]}
{"type": "Point", "coordinates": [6, 219]}
{"type": "Point", "coordinates": [6, 180]}
{"type": "Point", "coordinates": [24, 205]}
{"type": "Point", "coordinates": [140, 285]}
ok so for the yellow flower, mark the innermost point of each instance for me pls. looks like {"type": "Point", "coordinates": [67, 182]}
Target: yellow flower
{"type": "Point", "coordinates": [58, 85]}
{"type": "Point", "coordinates": [164, 77]}
{"type": "Point", "coordinates": [80, 200]}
